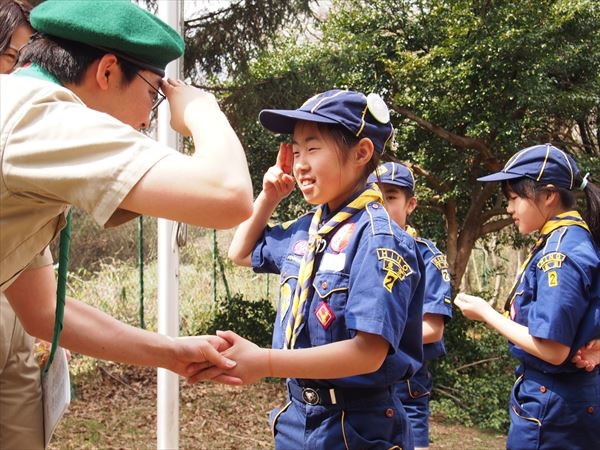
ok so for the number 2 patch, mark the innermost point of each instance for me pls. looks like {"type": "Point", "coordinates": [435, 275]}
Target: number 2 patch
{"type": "Point", "coordinates": [552, 278]}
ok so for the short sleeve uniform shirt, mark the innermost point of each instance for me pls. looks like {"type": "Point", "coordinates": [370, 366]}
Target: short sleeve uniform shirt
{"type": "Point", "coordinates": [56, 152]}
{"type": "Point", "coordinates": [369, 276]}
{"type": "Point", "coordinates": [558, 296]}
{"type": "Point", "coordinates": [438, 298]}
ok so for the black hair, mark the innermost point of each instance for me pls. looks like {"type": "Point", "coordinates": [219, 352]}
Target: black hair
{"type": "Point", "coordinates": [68, 60]}
{"type": "Point", "coordinates": [13, 14]}
{"type": "Point", "coordinates": [528, 188]}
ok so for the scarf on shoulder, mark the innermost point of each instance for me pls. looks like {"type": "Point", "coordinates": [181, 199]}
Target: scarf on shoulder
{"type": "Point", "coordinates": [565, 219]}
{"type": "Point", "coordinates": [316, 235]}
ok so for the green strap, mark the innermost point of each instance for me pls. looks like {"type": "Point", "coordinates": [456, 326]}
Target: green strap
{"type": "Point", "coordinates": [61, 289]}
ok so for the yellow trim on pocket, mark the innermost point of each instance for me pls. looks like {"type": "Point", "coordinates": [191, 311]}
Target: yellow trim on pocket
{"type": "Point", "coordinates": [531, 419]}
{"type": "Point", "coordinates": [284, 408]}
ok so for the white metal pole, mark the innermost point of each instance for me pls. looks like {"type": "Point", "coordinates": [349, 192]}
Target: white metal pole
{"type": "Point", "coordinates": [167, 396]}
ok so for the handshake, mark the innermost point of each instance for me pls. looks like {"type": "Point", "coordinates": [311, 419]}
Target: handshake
{"type": "Point", "coordinates": [225, 358]}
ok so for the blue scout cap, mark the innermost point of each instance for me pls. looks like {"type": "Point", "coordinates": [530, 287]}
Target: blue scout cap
{"type": "Point", "coordinates": [363, 115]}
{"type": "Point", "coordinates": [114, 26]}
{"type": "Point", "coordinates": [544, 163]}
{"type": "Point", "coordinates": [393, 173]}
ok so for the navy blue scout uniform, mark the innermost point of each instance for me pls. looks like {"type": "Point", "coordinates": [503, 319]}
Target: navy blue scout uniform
{"type": "Point", "coordinates": [415, 392]}
{"type": "Point", "coordinates": [367, 277]}
{"type": "Point", "coordinates": [557, 296]}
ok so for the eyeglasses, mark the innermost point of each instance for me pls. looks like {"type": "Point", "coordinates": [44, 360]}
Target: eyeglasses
{"type": "Point", "coordinates": [158, 96]}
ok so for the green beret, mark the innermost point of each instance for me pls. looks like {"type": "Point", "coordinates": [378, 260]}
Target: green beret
{"type": "Point", "coordinates": [115, 26]}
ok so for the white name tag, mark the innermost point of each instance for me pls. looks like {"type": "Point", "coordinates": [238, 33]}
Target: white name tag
{"type": "Point", "coordinates": [333, 261]}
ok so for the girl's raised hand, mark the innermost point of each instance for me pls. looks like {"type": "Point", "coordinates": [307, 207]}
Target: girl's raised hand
{"type": "Point", "coordinates": [278, 181]}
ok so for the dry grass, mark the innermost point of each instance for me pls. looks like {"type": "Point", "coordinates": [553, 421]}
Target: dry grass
{"type": "Point", "coordinates": [115, 408]}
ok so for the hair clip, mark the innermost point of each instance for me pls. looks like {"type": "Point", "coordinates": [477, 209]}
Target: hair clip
{"type": "Point", "coordinates": [584, 182]}
{"type": "Point", "coordinates": [394, 142]}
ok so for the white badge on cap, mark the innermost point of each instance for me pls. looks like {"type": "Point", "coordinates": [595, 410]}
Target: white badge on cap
{"type": "Point", "coordinates": [378, 108]}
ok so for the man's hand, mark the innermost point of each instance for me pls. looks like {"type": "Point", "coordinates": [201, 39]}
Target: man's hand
{"type": "Point", "coordinates": [187, 104]}
{"type": "Point", "coordinates": [194, 354]}
{"type": "Point", "coordinates": [251, 362]}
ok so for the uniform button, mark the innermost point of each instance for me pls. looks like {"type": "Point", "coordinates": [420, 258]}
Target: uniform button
{"type": "Point", "coordinates": [542, 389]}
{"type": "Point", "coordinates": [324, 285]}
{"type": "Point", "coordinates": [389, 412]}
{"type": "Point", "coordinates": [375, 205]}
{"type": "Point", "coordinates": [590, 409]}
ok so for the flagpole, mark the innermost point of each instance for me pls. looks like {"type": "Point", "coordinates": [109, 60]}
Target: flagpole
{"type": "Point", "coordinates": [167, 394]}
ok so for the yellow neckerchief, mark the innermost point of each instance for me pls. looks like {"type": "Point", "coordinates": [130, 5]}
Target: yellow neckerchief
{"type": "Point", "coordinates": [412, 232]}
{"type": "Point", "coordinates": [565, 219]}
{"type": "Point", "coordinates": [315, 236]}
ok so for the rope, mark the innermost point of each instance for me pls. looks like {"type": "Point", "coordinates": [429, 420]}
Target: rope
{"type": "Point", "coordinates": [61, 289]}
{"type": "Point", "coordinates": [141, 268]}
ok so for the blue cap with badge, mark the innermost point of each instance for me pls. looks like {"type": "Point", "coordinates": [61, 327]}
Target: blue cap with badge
{"type": "Point", "coordinates": [363, 115]}
{"type": "Point", "coordinates": [545, 163]}
{"type": "Point", "coordinates": [115, 26]}
{"type": "Point", "coordinates": [393, 173]}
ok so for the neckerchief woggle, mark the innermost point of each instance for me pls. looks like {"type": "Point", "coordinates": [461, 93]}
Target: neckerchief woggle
{"type": "Point", "coordinates": [569, 218]}
{"type": "Point", "coordinates": [316, 235]}
{"type": "Point", "coordinates": [35, 71]}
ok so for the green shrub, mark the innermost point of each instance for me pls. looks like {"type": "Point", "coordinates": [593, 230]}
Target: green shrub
{"type": "Point", "coordinates": [251, 319]}
{"type": "Point", "coordinates": [472, 382]}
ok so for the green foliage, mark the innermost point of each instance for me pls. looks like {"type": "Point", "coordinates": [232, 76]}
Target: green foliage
{"type": "Point", "coordinates": [473, 381]}
{"type": "Point", "coordinates": [251, 319]}
{"type": "Point", "coordinates": [469, 83]}
{"type": "Point", "coordinates": [224, 39]}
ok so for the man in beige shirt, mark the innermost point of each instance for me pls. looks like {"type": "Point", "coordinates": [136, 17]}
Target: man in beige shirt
{"type": "Point", "coordinates": [68, 136]}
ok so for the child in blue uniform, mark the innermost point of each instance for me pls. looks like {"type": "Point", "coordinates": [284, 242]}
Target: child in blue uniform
{"type": "Point", "coordinates": [348, 325]}
{"type": "Point", "coordinates": [554, 306]}
{"type": "Point", "coordinates": [397, 186]}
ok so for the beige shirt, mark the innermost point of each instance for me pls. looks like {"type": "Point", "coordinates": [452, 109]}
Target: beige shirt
{"type": "Point", "coordinates": [56, 152]}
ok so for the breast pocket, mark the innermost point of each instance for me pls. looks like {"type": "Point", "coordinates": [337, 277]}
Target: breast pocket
{"type": "Point", "coordinates": [327, 321]}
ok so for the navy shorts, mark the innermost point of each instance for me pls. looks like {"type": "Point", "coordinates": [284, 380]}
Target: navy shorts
{"type": "Point", "coordinates": [414, 395]}
{"type": "Point", "coordinates": [358, 419]}
{"type": "Point", "coordinates": [555, 411]}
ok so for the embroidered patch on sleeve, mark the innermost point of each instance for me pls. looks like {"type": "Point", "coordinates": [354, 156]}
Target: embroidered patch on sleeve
{"type": "Point", "coordinates": [441, 262]}
{"type": "Point", "coordinates": [551, 261]}
{"type": "Point", "coordinates": [552, 278]}
{"type": "Point", "coordinates": [394, 265]}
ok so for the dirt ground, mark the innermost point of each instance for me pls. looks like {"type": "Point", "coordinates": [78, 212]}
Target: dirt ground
{"type": "Point", "coordinates": [115, 408]}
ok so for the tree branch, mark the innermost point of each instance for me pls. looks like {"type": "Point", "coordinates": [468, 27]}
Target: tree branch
{"type": "Point", "coordinates": [475, 363]}
{"type": "Point", "coordinates": [461, 142]}
{"type": "Point", "coordinates": [431, 179]}
{"type": "Point", "coordinates": [495, 225]}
